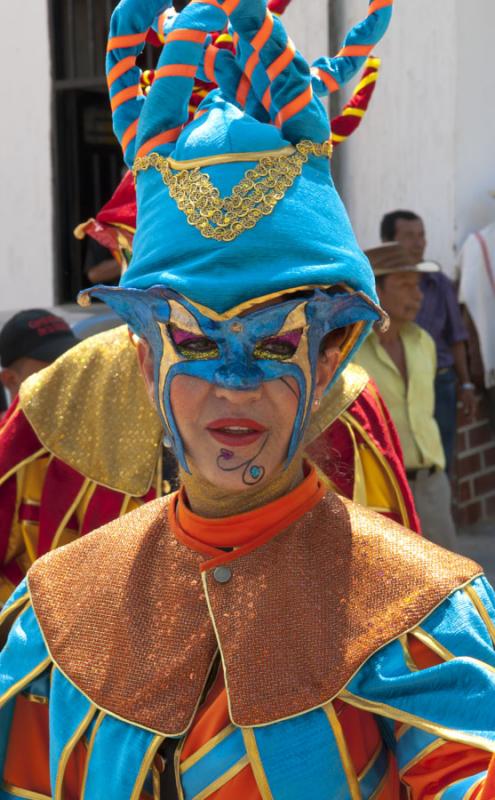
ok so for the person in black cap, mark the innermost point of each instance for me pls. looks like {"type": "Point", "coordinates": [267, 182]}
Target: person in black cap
{"type": "Point", "coordinates": [30, 341]}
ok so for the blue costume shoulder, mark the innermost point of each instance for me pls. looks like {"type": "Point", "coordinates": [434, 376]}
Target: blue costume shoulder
{"type": "Point", "coordinates": [452, 700]}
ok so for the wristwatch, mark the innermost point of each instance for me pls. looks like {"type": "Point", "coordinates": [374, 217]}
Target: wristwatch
{"type": "Point", "coordinates": [468, 386]}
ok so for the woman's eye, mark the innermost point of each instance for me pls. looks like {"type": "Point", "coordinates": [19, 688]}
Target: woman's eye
{"type": "Point", "coordinates": [190, 345]}
{"type": "Point", "coordinates": [280, 347]}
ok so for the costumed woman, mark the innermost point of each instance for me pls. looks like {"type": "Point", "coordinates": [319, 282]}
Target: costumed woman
{"type": "Point", "coordinates": [253, 636]}
{"type": "Point", "coordinates": [82, 445]}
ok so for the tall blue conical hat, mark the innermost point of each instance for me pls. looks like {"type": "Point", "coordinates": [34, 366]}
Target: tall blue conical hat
{"type": "Point", "coordinates": [240, 202]}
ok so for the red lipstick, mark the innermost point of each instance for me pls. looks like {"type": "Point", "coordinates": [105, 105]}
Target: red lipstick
{"type": "Point", "coordinates": [235, 431]}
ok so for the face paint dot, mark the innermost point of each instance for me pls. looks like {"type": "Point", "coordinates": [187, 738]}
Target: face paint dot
{"type": "Point", "coordinates": [255, 472]}
{"type": "Point", "coordinates": [226, 454]}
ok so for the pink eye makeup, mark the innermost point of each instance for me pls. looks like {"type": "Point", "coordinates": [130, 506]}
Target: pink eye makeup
{"type": "Point", "coordinates": [192, 345]}
{"type": "Point", "coordinates": [279, 347]}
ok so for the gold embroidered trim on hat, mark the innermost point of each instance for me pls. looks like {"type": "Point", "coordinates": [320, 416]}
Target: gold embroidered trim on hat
{"type": "Point", "coordinates": [255, 197]}
{"type": "Point", "coordinates": [229, 158]}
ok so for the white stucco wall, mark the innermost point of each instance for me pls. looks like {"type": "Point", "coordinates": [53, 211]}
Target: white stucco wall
{"type": "Point", "coordinates": [475, 118]}
{"type": "Point", "coordinates": [26, 247]}
{"type": "Point", "coordinates": [307, 24]}
{"type": "Point", "coordinates": [403, 155]}
{"type": "Point", "coordinates": [427, 143]}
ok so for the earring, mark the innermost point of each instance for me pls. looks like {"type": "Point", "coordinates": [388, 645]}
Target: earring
{"type": "Point", "coordinates": [167, 441]}
{"type": "Point", "coordinates": [316, 402]}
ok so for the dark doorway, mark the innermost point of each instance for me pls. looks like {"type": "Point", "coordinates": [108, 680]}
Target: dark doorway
{"type": "Point", "coordinates": [87, 157]}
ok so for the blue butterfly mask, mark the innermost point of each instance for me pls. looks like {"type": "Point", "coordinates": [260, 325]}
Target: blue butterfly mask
{"type": "Point", "coordinates": [269, 338]}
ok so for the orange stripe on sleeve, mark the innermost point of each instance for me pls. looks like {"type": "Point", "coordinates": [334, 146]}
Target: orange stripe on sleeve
{"type": "Point", "coordinates": [230, 6]}
{"type": "Point", "coordinates": [120, 69]}
{"type": "Point", "coordinates": [378, 4]}
{"type": "Point", "coordinates": [162, 138]}
{"type": "Point", "coordinates": [184, 35]}
{"type": "Point", "coordinates": [245, 83]}
{"type": "Point", "coordinates": [330, 82]}
{"type": "Point", "coordinates": [125, 95]}
{"type": "Point", "coordinates": [129, 135]}
{"type": "Point", "coordinates": [282, 61]}
{"type": "Point", "coordinates": [209, 3]}
{"type": "Point", "coordinates": [117, 42]}
{"type": "Point", "coordinates": [266, 100]}
{"type": "Point", "coordinates": [209, 62]}
{"type": "Point", "coordinates": [176, 71]}
{"type": "Point", "coordinates": [258, 42]}
{"type": "Point", "coordinates": [295, 106]}
{"type": "Point", "coordinates": [264, 33]}
{"type": "Point", "coordinates": [356, 50]}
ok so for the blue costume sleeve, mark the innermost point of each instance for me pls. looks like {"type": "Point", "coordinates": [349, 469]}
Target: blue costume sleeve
{"type": "Point", "coordinates": [452, 702]}
{"type": "Point", "coordinates": [119, 754]}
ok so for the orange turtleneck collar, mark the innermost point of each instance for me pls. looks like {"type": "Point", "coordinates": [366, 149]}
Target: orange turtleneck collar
{"type": "Point", "coordinates": [243, 532]}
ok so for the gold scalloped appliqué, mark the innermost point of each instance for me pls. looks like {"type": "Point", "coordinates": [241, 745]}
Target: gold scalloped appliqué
{"type": "Point", "coordinates": [254, 197]}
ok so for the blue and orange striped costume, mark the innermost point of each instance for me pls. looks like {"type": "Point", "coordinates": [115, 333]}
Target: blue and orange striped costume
{"type": "Point", "coordinates": [308, 648]}
{"type": "Point", "coordinates": [417, 714]}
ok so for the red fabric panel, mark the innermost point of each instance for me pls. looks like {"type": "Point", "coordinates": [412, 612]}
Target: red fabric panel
{"type": "Point", "coordinates": [18, 441]}
{"type": "Point", "coordinates": [278, 6]}
{"type": "Point", "coordinates": [361, 733]}
{"type": "Point", "coordinates": [61, 487]}
{"type": "Point", "coordinates": [151, 495]}
{"type": "Point", "coordinates": [8, 497]}
{"type": "Point", "coordinates": [345, 125]}
{"type": "Point", "coordinates": [103, 507]}
{"type": "Point", "coordinates": [333, 451]}
{"type": "Point", "coordinates": [28, 513]}
{"type": "Point", "coordinates": [13, 573]}
{"type": "Point", "coordinates": [371, 412]}
{"type": "Point", "coordinates": [27, 757]}
{"type": "Point", "coordinates": [121, 208]}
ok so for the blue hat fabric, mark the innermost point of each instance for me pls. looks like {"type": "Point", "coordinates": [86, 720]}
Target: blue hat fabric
{"type": "Point", "coordinates": [240, 202]}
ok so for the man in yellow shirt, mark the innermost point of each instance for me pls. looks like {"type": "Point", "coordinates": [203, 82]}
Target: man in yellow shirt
{"type": "Point", "coordinates": [402, 361]}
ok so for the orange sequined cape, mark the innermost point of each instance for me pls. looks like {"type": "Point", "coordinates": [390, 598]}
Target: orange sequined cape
{"type": "Point", "coordinates": [326, 605]}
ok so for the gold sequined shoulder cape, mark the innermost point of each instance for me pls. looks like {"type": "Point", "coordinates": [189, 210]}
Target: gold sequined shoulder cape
{"type": "Point", "coordinates": [90, 409]}
{"type": "Point", "coordinates": [133, 623]}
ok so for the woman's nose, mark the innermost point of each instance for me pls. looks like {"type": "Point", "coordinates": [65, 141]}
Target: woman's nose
{"type": "Point", "coordinates": [239, 377]}
{"type": "Point", "coordinates": [238, 397]}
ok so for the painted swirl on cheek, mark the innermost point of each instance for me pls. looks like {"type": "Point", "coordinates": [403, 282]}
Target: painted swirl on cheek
{"type": "Point", "coordinates": [252, 473]}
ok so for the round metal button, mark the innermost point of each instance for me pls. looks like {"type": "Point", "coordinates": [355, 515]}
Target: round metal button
{"type": "Point", "coordinates": [222, 574]}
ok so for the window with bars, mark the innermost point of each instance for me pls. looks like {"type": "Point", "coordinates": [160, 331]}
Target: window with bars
{"type": "Point", "coordinates": [87, 158]}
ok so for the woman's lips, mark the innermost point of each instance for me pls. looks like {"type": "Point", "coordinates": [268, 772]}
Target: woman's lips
{"type": "Point", "coordinates": [235, 432]}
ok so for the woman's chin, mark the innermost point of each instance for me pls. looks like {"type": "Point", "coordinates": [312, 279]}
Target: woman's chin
{"type": "Point", "coordinates": [247, 477]}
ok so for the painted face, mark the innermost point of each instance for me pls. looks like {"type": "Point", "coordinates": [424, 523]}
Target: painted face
{"type": "Point", "coordinates": [234, 439]}
{"type": "Point", "coordinates": [270, 339]}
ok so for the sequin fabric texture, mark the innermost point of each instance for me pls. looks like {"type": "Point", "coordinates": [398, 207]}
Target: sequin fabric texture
{"type": "Point", "coordinates": [308, 607]}
{"type": "Point", "coordinates": [91, 410]}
